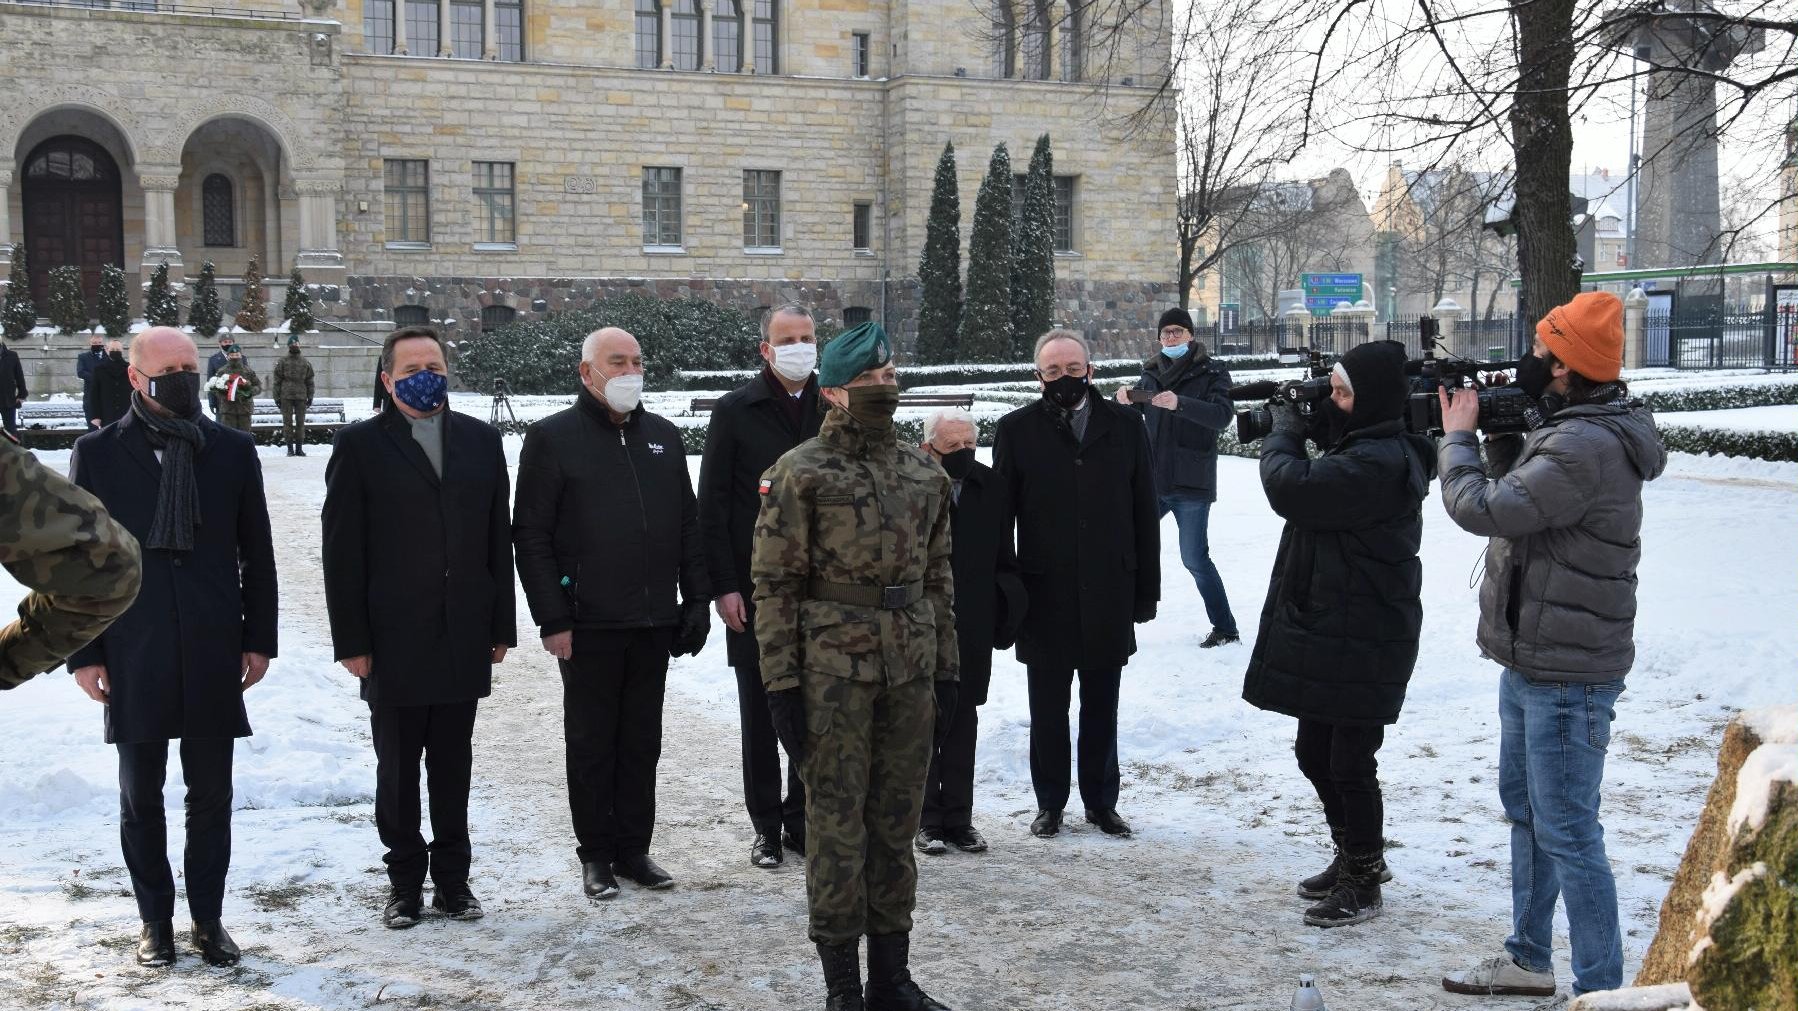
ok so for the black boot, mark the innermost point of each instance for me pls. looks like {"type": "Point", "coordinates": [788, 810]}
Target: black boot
{"type": "Point", "coordinates": [842, 976]}
{"type": "Point", "coordinates": [890, 986]}
{"type": "Point", "coordinates": [1356, 895]}
{"type": "Point", "coordinates": [1318, 885]}
{"type": "Point", "coordinates": [156, 945]}
{"type": "Point", "coordinates": [215, 943]}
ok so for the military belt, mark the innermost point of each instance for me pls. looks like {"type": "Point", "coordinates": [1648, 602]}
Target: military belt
{"type": "Point", "coordinates": [889, 598]}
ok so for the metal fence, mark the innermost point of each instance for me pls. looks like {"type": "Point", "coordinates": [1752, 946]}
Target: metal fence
{"type": "Point", "coordinates": [1757, 339]}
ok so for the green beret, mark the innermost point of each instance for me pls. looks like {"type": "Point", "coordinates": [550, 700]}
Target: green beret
{"type": "Point", "coordinates": [292, 339]}
{"type": "Point", "coordinates": [853, 352]}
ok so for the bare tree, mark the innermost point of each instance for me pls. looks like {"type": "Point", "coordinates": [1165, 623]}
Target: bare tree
{"type": "Point", "coordinates": [1299, 226]}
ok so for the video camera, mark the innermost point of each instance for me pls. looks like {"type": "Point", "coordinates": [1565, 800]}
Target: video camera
{"type": "Point", "coordinates": [1303, 394]}
{"type": "Point", "coordinates": [1503, 409]}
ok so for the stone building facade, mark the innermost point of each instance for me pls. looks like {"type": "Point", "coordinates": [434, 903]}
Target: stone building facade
{"type": "Point", "coordinates": [472, 163]}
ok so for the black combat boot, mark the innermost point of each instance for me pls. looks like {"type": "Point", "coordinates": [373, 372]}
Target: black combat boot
{"type": "Point", "coordinates": [1356, 895]}
{"type": "Point", "coordinates": [1318, 885]}
{"type": "Point", "coordinates": [842, 976]}
{"type": "Point", "coordinates": [890, 986]}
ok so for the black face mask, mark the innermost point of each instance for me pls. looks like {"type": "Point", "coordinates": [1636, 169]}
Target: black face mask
{"type": "Point", "coordinates": [96, 348]}
{"type": "Point", "coordinates": [1329, 423]}
{"type": "Point", "coordinates": [117, 356]}
{"type": "Point", "coordinates": [177, 392]}
{"type": "Point", "coordinates": [1533, 376]}
{"type": "Point", "coordinates": [958, 463]}
{"type": "Point", "coordinates": [293, 349]}
{"type": "Point", "coordinates": [1065, 392]}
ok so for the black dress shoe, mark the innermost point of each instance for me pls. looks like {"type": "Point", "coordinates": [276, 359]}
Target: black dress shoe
{"type": "Point", "coordinates": [794, 841]}
{"type": "Point", "coordinates": [1109, 823]}
{"type": "Point", "coordinates": [931, 841]}
{"type": "Point", "coordinates": [598, 882]}
{"type": "Point", "coordinates": [1219, 638]}
{"type": "Point", "coordinates": [402, 909]}
{"type": "Point", "coordinates": [765, 851]}
{"type": "Point", "coordinates": [967, 839]}
{"type": "Point", "coordinates": [643, 872]}
{"type": "Point", "coordinates": [456, 902]}
{"type": "Point", "coordinates": [215, 944]}
{"type": "Point", "coordinates": [1046, 825]}
{"type": "Point", "coordinates": [156, 945]}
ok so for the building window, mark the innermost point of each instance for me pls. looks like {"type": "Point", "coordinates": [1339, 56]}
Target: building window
{"type": "Point", "coordinates": [467, 30]}
{"type": "Point", "coordinates": [408, 201]}
{"type": "Point", "coordinates": [761, 209]}
{"type": "Point", "coordinates": [685, 27]}
{"type": "Point", "coordinates": [1073, 42]}
{"type": "Point", "coordinates": [727, 35]}
{"type": "Point", "coordinates": [863, 227]}
{"type": "Point", "coordinates": [411, 315]}
{"type": "Point", "coordinates": [1005, 39]}
{"type": "Point", "coordinates": [377, 26]}
{"type": "Point", "coordinates": [495, 316]}
{"type": "Point", "coordinates": [661, 207]}
{"type": "Point", "coordinates": [856, 315]}
{"type": "Point", "coordinates": [494, 196]}
{"type": "Point", "coordinates": [1064, 214]}
{"type": "Point", "coordinates": [767, 59]}
{"type": "Point", "coordinates": [859, 52]}
{"type": "Point", "coordinates": [421, 28]}
{"type": "Point", "coordinates": [1036, 40]}
{"type": "Point", "coordinates": [649, 34]}
{"type": "Point", "coordinates": [218, 211]}
{"type": "Point", "coordinates": [508, 29]}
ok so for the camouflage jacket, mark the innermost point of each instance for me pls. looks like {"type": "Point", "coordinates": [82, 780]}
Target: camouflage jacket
{"type": "Point", "coordinates": [82, 566]}
{"type": "Point", "coordinates": [853, 508]}
{"type": "Point", "coordinates": [246, 393]}
{"type": "Point", "coordinates": [293, 378]}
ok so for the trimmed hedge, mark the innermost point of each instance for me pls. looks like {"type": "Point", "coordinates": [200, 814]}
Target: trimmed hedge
{"type": "Point", "coordinates": [1721, 398]}
{"type": "Point", "coordinates": [1758, 445]}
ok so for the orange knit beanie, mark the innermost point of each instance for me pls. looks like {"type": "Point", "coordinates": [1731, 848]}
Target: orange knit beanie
{"type": "Point", "coordinates": [1586, 334]}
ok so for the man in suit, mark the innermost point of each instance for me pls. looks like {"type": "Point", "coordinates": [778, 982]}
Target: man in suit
{"type": "Point", "coordinates": [86, 362]}
{"type": "Point", "coordinates": [176, 664]}
{"type": "Point", "coordinates": [216, 364]}
{"type": "Point", "coordinates": [12, 388]}
{"type": "Point", "coordinates": [1076, 467]}
{"type": "Point", "coordinates": [108, 394]}
{"type": "Point", "coordinates": [989, 604]}
{"type": "Point", "coordinates": [418, 583]}
{"type": "Point", "coordinates": [752, 426]}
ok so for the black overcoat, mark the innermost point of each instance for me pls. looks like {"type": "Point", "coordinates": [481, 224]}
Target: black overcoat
{"type": "Point", "coordinates": [175, 658]}
{"type": "Point", "coordinates": [108, 392]}
{"type": "Point", "coordinates": [989, 596]}
{"type": "Point", "coordinates": [12, 379]}
{"type": "Point", "coordinates": [418, 570]}
{"type": "Point", "coordinates": [1088, 543]}
{"type": "Point", "coordinates": [1344, 605]}
{"type": "Point", "coordinates": [750, 430]}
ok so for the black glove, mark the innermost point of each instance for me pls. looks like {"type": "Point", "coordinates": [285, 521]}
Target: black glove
{"type": "Point", "coordinates": [695, 622]}
{"type": "Point", "coordinates": [787, 709]}
{"type": "Point", "coordinates": [1287, 418]}
{"type": "Point", "coordinates": [1145, 612]}
{"type": "Point", "coordinates": [947, 694]}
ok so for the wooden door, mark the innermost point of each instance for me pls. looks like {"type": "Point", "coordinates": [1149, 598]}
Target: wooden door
{"type": "Point", "coordinates": [73, 214]}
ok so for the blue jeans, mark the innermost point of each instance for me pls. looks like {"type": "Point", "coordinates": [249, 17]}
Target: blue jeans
{"type": "Point", "coordinates": [1193, 515]}
{"type": "Point", "coordinates": [1550, 766]}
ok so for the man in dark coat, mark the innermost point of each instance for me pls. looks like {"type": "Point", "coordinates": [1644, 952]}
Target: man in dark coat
{"type": "Point", "coordinates": [12, 388]}
{"type": "Point", "coordinates": [88, 360]}
{"type": "Point", "coordinates": [201, 633]}
{"type": "Point", "coordinates": [1081, 485]}
{"type": "Point", "coordinates": [1339, 630]}
{"type": "Point", "coordinates": [607, 529]}
{"type": "Point", "coordinates": [989, 604]}
{"type": "Point", "coordinates": [752, 426]}
{"type": "Point", "coordinates": [418, 582]}
{"type": "Point", "coordinates": [108, 393]}
{"type": "Point", "coordinates": [216, 364]}
{"type": "Point", "coordinates": [1190, 403]}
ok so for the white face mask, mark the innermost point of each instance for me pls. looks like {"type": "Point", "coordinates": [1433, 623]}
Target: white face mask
{"type": "Point", "coordinates": [794, 362]}
{"type": "Point", "coordinates": [623, 392]}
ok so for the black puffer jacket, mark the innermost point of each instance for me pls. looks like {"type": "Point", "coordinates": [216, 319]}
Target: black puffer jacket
{"type": "Point", "coordinates": [605, 522]}
{"type": "Point", "coordinates": [1183, 441]}
{"type": "Point", "coordinates": [1339, 630]}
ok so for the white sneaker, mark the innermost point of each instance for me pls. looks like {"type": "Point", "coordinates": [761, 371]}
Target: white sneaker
{"type": "Point", "coordinates": [1500, 975]}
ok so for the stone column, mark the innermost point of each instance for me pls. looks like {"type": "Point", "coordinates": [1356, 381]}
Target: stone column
{"type": "Point", "coordinates": [1298, 326]}
{"type": "Point", "coordinates": [489, 32]}
{"type": "Point", "coordinates": [445, 47]}
{"type": "Point", "coordinates": [1448, 313]}
{"type": "Point", "coordinates": [708, 49]}
{"type": "Point", "coordinates": [5, 220]}
{"type": "Point", "coordinates": [667, 35]}
{"type": "Point", "coordinates": [1053, 11]}
{"type": "Point", "coordinates": [319, 257]}
{"type": "Point", "coordinates": [1635, 328]}
{"type": "Point", "coordinates": [399, 28]}
{"type": "Point", "coordinates": [159, 184]}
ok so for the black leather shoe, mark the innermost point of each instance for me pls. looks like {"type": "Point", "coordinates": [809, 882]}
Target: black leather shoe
{"type": "Point", "coordinates": [156, 945]}
{"type": "Point", "coordinates": [1109, 823]}
{"type": "Point", "coordinates": [215, 944]}
{"type": "Point", "coordinates": [402, 909]}
{"type": "Point", "coordinates": [794, 841]}
{"type": "Point", "coordinates": [931, 841]}
{"type": "Point", "coordinates": [765, 851]}
{"type": "Point", "coordinates": [299, 450]}
{"type": "Point", "coordinates": [1218, 638]}
{"type": "Point", "coordinates": [642, 872]}
{"type": "Point", "coordinates": [598, 882]}
{"type": "Point", "coordinates": [456, 902]}
{"type": "Point", "coordinates": [1047, 824]}
{"type": "Point", "coordinates": [967, 839]}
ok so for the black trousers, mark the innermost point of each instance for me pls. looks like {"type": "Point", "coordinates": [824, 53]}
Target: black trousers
{"type": "Point", "coordinates": [444, 736]}
{"type": "Point", "coordinates": [949, 792]}
{"type": "Point", "coordinates": [144, 831]}
{"type": "Point", "coordinates": [1339, 761]}
{"type": "Point", "coordinates": [1051, 692]}
{"type": "Point", "coordinates": [761, 760]}
{"type": "Point", "coordinates": [9, 419]}
{"type": "Point", "coordinates": [612, 716]}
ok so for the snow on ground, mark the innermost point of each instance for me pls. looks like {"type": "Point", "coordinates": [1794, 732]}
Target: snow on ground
{"type": "Point", "coordinates": [1197, 911]}
{"type": "Point", "coordinates": [1781, 418]}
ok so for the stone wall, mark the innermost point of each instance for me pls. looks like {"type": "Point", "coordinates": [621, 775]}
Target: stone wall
{"type": "Point", "coordinates": [344, 367]}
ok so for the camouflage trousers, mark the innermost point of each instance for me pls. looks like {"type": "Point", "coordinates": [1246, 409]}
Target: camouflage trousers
{"type": "Point", "coordinates": [867, 753]}
{"type": "Point", "coordinates": [238, 418]}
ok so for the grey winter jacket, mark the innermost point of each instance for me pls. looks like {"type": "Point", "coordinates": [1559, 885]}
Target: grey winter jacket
{"type": "Point", "coordinates": [1558, 601]}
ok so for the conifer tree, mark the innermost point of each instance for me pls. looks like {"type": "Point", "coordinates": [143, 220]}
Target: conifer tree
{"type": "Point", "coordinates": [252, 316]}
{"type": "Point", "coordinates": [68, 305]}
{"type": "Point", "coordinates": [203, 313]}
{"type": "Point", "coordinates": [114, 309]}
{"type": "Point", "coordinates": [296, 308]}
{"type": "Point", "coordinates": [939, 268]}
{"type": "Point", "coordinates": [1033, 254]}
{"type": "Point", "coordinates": [20, 315]}
{"type": "Point", "coordinates": [985, 332]}
{"type": "Point", "coordinates": [161, 307]}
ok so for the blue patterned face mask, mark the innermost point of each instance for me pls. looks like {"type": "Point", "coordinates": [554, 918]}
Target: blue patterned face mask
{"type": "Point", "coordinates": [1177, 352]}
{"type": "Point", "coordinates": [423, 391]}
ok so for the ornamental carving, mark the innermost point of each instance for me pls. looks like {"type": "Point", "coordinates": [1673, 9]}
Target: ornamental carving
{"type": "Point", "coordinates": [45, 98]}
{"type": "Point", "coordinates": [167, 183]}
{"type": "Point", "coordinates": [206, 108]}
{"type": "Point", "coordinates": [317, 187]}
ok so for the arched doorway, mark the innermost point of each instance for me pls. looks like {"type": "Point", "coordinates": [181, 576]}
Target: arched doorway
{"type": "Point", "coordinates": [73, 213]}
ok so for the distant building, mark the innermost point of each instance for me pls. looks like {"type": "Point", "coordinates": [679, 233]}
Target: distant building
{"type": "Point", "coordinates": [1299, 226]}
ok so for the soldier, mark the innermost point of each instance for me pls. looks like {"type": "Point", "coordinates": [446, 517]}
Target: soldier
{"type": "Point", "coordinates": [236, 390]}
{"type": "Point", "coordinates": [82, 566]}
{"type": "Point", "coordinates": [853, 585]}
{"type": "Point", "coordinates": [293, 393]}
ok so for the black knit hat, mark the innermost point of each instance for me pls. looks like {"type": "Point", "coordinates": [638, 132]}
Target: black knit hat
{"type": "Point", "coordinates": [1376, 371]}
{"type": "Point", "coordinates": [1175, 315]}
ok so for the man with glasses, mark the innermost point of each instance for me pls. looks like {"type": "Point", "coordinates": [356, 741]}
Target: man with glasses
{"type": "Point", "coordinates": [1082, 489]}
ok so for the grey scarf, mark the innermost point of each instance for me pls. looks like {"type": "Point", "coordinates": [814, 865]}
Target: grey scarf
{"type": "Point", "coordinates": [178, 498]}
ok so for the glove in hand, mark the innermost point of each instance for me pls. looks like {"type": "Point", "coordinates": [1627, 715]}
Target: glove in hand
{"type": "Point", "coordinates": [695, 625]}
{"type": "Point", "coordinates": [787, 709]}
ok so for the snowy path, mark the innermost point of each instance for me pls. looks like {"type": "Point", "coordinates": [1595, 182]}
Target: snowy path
{"type": "Point", "coordinates": [1195, 912]}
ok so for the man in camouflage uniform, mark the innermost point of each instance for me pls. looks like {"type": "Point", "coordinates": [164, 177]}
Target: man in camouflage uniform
{"type": "Point", "coordinates": [851, 567]}
{"type": "Point", "coordinates": [293, 394]}
{"type": "Point", "coordinates": [82, 566]}
{"type": "Point", "coordinates": [236, 407]}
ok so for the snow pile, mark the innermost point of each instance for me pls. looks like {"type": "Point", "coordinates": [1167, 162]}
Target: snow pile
{"type": "Point", "coordinates": [1767, 765]}
{"type": "Point", "coordinates": [1667, 997]}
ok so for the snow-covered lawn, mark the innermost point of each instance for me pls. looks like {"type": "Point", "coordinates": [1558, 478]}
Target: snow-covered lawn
{"type": "Point", "coordinates": [1197, 911]}
{"type": "Point", "coordinates": [1780, 418]}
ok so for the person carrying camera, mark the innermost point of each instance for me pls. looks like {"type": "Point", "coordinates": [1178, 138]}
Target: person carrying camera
{"type": "Point", "coordinates": [1563, 508]}
{"type": "Point", "coordinates": [1339, 630]}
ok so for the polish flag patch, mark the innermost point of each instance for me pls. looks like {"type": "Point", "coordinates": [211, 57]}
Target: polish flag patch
{"type": "Point", "coordinates": [767, 486]}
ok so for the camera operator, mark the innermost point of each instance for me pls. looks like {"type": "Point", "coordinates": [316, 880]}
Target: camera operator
{"type": "Point", "coordinates": [1339, 630]}
{"type": "Point", "coordinates": [1563, 509]}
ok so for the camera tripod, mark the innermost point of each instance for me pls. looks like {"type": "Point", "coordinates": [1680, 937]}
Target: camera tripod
{"type": "Point", "coordinates": [502, 407]}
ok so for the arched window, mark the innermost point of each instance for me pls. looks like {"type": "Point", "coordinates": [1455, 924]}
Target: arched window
{"type": "Point", "coordinates": [1073, 42]}
{"type": "Point", "coordinates": [856, 315]}
{"type": "Point", "coordinates": [1036, 40]}
{"type": "Point", "coordinates": [218, 211]}
{"type": "Point", "coordinates": [1005, 38]}
{"type": "Point", "coordinates": [727, 35]}
{"type": "Point", "coordinates": [649, 34]}
{"type": "Point", "coordinates": [495, 316]}
{"type": "Point", "coordinates": [767, 38]}
{"type": "Point", "coordinates": [411, 315]}
{"type": "Point", "coordinates": [685, 28]}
